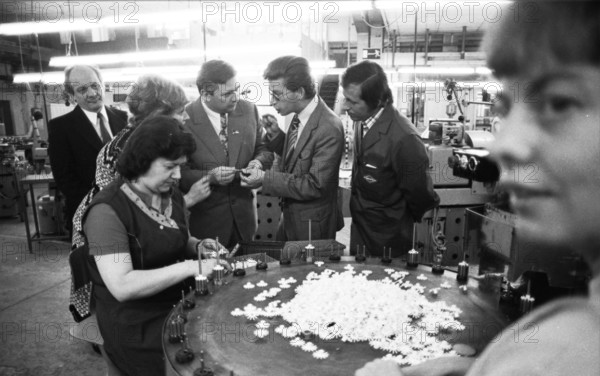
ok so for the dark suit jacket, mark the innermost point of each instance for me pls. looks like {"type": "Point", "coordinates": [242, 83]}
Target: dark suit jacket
{"type": "Point", "coordinates": [230, 205]}
{"type": "Point", "coordinates": [391, 188]}
{"type": "Point", "coordinates": [73, 146]}
{"type": "Point", "coordinates": [308, 182]}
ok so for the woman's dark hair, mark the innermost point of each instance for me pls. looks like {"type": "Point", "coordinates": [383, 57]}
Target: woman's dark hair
{"type": "Point", "coordinates": [156, 137]}
{"type": "Point", "coordinates": [295, 72]}
{"type": "Point", "coordinates": [544, 34]}
{"type": "Point", "coordinates": [371, 78]}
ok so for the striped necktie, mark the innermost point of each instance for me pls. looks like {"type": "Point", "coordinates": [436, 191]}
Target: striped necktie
{"type": "Point", "coordinates": [104, 135]}
{"type": "Point", "coordinates": [293, 135]}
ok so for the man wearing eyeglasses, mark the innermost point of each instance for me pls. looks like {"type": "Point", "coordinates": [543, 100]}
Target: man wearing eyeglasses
{"type": "Point", "coordinates": [229, 137]}
{"type": "Point", "coordinates": [311, 152]}
{"type": "Point", "coordinates": [74, 139]}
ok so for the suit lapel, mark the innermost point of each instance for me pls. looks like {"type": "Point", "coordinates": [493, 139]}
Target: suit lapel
{"type": "Point", "coordinates": [202, 128]}
{"type": "Point", "coordinates": [380, 127]}
{"type": "Point", "coordinates": [84, 127]}
{"type": "Point", "coordinates": [305, 135]}
{"type": "Point", "coordinates": [114, 121]}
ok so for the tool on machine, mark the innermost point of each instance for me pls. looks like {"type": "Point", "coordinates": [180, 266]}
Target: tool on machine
{"type": "Point", "coordinates": [462, 275]}
{"type": "Point", "coordinates": [309, 251]}
{"type": "Point", "coordinates": [201, 285]}
{"type": "Point", "coordinates": [186, 304]}
{"type": "Point", "coordinates": [412, 260]}
{"type": "Point", "coordinates": [239, 269]}
{"type": "Point", "coordinates": [204, 370]}
{"type": "Point", "coordinates": [219, 271]}
{"type": "Point", "coordinates": [185, 354]}
{"type": "Point", "coordinates": [470, 157]}
{"type": "Point", "coordinates": [386, 258]}
{"type": "Point", "coordinates": [360, 257]}
{"type": "Point", "coordinates": [176, 332]}
{"type": "Point", "coordinates": [439, 241]}
{"type": "Point", "coordinates": [285, 257]}
{"type": "Point", "coordinates": [262, 263]}
{"type": "Point", "coordinates": [527, 301]}
{"type": "Point", "coordinates": [335, 254]}
{"type": "Point", "coordinates": [234, 250]}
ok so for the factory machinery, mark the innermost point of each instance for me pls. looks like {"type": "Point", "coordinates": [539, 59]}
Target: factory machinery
{"type": "Point", "coordinates": [13, 166]}
{"type": "Point", "coordinates": [462, 175]}
{"type": "Point", "coordinates": [473, 222]}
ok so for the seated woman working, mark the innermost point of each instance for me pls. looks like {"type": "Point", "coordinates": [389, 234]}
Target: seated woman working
{"type": "Point", "coordinates": [142, 251]}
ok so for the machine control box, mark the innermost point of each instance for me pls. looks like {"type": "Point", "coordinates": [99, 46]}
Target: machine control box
{"type": "Point", "coordinates": [473, 164]}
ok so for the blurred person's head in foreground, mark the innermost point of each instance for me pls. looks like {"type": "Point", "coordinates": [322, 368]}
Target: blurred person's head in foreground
{"type": "Point", "coordinates": [549, 147]}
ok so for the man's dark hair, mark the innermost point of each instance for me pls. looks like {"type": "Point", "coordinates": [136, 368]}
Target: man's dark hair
{"type": "Point", "coordinates": [295, 72]}
{"type": "Point", "coordinates": [156, 137]}
{"type": "Point", "coordinates": [371, 78]}
{"type": "Point", "coordinates": [212, 73]}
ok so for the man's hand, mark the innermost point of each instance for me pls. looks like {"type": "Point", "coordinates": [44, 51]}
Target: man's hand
{"type": "Point", "coordinates": [269, 122]}
{"type": "Point", "coordinates": [210, 248]}
{"type": "Point", "coordinates": [252, 178]}
{"type": "Point", "coordinates": [222, 175]}
{"type": "Point", "coordinates": [255, 163]}
{"type": "Point", "coordinates": [380, 367]}
{"type": "Point", "coordinates": [199, 191]}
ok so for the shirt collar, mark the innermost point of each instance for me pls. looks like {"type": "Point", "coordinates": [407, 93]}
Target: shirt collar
{"type": "Point", "coordinates": [304, 115]}
{"type": "Point", "coordinates": [93, 116]}
{"type": "Point", "coordinates": [209, 111]}
{"type": "Point", "coordinates": [368, 123]}
{"type": "Point", "coordinates": [148, 199]}
{"type": "Point", "coordinates": [213, 116]}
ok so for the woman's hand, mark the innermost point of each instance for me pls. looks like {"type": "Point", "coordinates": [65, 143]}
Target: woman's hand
{"type": "Point", "coordinates": [207, 266]}
{"type": "Point", "coordinates": [210, 248]}
{"type": "Point", "coordinates": [199, 191]}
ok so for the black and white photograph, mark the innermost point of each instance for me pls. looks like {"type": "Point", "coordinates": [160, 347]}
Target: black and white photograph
{"type": "Point", "coordinates": [306, 187]}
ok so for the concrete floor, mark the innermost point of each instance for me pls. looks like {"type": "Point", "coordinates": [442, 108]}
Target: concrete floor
{"type": "Point", "coordinates": [34, 315]}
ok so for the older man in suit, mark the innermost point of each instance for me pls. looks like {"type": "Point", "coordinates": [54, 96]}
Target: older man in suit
{"type": "Point", "coordinates": [76, 138]}
{"type": "Point", "coordinates": [229, 137]}
{"type": "Point", "coordinates": [307, 174]}
{"type": "Point", "coordinates": [390, 186]}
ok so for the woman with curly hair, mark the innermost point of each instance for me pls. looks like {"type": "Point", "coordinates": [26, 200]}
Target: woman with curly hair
{"type": "Point", "coordinates": [151, 96]}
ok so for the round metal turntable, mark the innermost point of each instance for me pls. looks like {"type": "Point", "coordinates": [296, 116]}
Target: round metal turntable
{"type": "Point", "coordinates": [226, 343]}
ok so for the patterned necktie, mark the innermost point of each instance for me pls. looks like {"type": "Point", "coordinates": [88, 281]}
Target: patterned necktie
{"type": "Point", "coordinates": [364, 128]}
{"type": "Point", "coordinates": [223, 133]}
{"type": "Point", "coordinates": [293, 135]}
{"type": "Point", "coordinates": [105, 136]}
